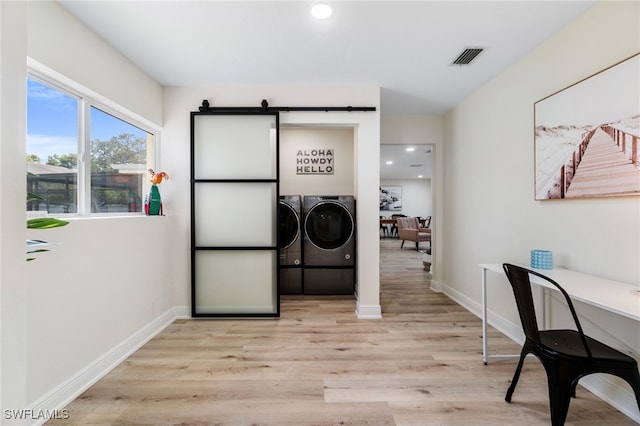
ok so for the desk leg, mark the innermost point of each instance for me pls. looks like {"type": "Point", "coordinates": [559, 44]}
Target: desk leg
{"type": "Point", "coordinates": [485, 355]}
{"type": "Point", "coordinates": [545, 312]}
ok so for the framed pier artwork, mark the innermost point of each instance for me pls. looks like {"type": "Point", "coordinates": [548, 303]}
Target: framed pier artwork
{"type": "Point", "coordinates": [587, 136]}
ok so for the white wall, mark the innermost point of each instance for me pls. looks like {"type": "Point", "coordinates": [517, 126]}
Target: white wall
{"type": "Point", "coordinates": [489, 201]}
{"type": "Point", "coordinates": [59, 40]}
{"type": "Point", "coordinates": [411, 129]}
{"type": "Point", "coordinates": [107, 279]}
{"type": "Point", "coordinates": [416, 197]}
{"type": "Point", "coordinates": [110, 278]}
{"type": "Point", "coordinates": [13, 303]}
{"type": "Point", "coordinates": [179, 102]}
{"type": "Point", "coordinates": [340, 140]}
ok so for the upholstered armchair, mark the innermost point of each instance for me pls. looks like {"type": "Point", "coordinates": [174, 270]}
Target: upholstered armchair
{"type": "Point", "coordinates": [409, 230]}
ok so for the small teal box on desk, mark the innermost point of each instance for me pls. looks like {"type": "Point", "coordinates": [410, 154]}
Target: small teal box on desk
{"type": "Point", "coordinates": [541, 259]}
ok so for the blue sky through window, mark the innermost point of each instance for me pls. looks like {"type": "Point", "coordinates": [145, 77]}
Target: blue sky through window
{"type": "Point", "coordinates": [52, 122]}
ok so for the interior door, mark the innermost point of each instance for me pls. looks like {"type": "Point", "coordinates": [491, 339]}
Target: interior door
{"type": "Point", "coordinates": [234, 214]}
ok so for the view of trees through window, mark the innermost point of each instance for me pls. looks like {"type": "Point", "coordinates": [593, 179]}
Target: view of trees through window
{"type": "Point", "coordinates": [119, 155]}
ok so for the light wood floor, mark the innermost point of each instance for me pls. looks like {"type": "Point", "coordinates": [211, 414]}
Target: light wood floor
{"type": "Point", "coordinates": [319, 365]}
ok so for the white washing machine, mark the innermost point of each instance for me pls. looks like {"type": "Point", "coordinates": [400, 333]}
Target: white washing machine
{"type": "Point", "coordinates": [329, 248]}
{"type": "Point", "coordinates": [290, 244]}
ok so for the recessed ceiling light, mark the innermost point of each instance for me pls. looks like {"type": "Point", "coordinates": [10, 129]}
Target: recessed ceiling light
{"type": "Point", "coordinates": [389, 163]}
{"type": "Point", "coordinates": [411, 149]}
{"type": "Point", "coordinates": [321, 10]}
{"type": "Point", "coordinates": [419, 176]}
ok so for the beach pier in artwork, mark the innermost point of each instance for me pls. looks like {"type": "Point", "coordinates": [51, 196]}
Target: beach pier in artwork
{"type": "Point", "coordinates": [608, 166]}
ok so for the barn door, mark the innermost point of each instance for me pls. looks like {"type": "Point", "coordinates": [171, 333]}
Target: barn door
{"type": "Point", "coordinates": [234, 220]}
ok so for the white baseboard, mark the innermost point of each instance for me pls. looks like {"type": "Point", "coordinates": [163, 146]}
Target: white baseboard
{"type": "Point", "coordinates": [437, 286]}
{"type": "Point", "coordinates": [368, 311]}
{"type": "Point", "coordinates": [620, 397]}
{"type": "Point", "coordinates": [509, 329]}
{"type": "Point", "coordinates": [63, 394]}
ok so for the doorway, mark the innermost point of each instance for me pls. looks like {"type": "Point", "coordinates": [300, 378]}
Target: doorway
{"type": "Point", "coordinates": [406, 189]}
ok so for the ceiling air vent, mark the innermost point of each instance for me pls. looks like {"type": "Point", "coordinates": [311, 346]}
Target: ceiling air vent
{"type": "Point", "coordinates": [416, 165]}
{"type": "Point", "coordinates": [467, 55]}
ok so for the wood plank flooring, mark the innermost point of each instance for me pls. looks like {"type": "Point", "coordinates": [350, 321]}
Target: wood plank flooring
{"type": "Point", "coordinates": [320, 365]}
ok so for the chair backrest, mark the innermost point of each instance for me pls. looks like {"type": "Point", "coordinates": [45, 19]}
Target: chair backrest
{"type": "Point", "coordinates": [407, 223]}
{"type": "Point", "coordinates": [519, 279]}
{"type": "Point", "coordinates": [521, 285]}
{"type": "Point", "coordinates": [427, 221]}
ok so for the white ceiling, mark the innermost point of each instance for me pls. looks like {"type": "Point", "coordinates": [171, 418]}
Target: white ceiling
{"type": "Point", "coordinates": [405, 164]}
{"type": "Point", "coordinates": [403, 47]}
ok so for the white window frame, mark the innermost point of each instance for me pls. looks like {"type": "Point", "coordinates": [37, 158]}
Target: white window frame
{"type": "Point", "coordinates": [87, 98]}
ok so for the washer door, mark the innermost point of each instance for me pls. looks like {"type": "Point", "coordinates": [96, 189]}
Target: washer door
{"type": "Point", "coordinates": [289, 225]}
{"type": "Point", "coordinates": [328, 225]}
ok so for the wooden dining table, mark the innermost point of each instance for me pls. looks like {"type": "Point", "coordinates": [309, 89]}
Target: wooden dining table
{"type": "Point", "coordinates": [385, 222]}
{"type": "Point", "coordinates": [393, 220]}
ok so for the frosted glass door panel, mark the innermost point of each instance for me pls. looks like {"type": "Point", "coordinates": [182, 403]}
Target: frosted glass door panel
{"type": "Point", "coordinates": [235, 147]}
{"type": "Point", "coordinates": [235, 214]}
{"type": "Point", "coordinates": [236, 282]}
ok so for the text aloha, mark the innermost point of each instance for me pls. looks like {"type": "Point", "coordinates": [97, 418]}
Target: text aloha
{"type": "Point", "coordinates": [314, 162]}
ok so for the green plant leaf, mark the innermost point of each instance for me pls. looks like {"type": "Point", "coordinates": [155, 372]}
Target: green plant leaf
{"type": "Point", "coordinates": [29, 259]}
{"type": "Point", "coordinates": [41, 223]}
{"type": "Point", "coordinates": [45, 223]}
{"type": "Point", "coordinates": [32, 197]}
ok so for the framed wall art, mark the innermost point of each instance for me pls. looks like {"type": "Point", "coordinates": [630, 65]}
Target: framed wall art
{"type": "Point", "coordinates": [391, 197]}
{"type": "Point", "coordinates": [587, 135]}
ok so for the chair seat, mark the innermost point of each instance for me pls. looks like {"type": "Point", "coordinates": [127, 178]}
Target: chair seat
{"type": "Point", "coordinates": [568, 342]}
{"type": "Point", "coordinates": [424, 236]}
{"type": "Point", "coordinates": [409, 230]}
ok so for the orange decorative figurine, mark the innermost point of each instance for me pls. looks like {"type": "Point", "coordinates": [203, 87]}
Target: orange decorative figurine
{"type": "Point", "coordinates": [153, 203]}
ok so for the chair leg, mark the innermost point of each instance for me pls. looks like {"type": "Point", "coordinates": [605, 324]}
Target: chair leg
{"type": "Point", "coordinates": [574, 385]}
{"type": "Point", "coordinates": [516, 376]}
{"type": "Point", "coordinates": [634, 381]}
{"type": "Point", "coordinates": [402, 244]}
{"type": "Point", "coordinates": [416, 246]}
{"type": "Point", "coordinates": [631, 376]}
{"type": "Point", "coordinates": [559, 399]}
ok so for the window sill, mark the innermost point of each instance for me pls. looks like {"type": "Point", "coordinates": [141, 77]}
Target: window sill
{"type": "Point", "coordinates": [75, 218]}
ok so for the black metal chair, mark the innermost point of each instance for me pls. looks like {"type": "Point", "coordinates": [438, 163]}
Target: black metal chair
{"type": "Point", "coordinates": [567, 355]}
{"type": "Point", "coordinates": [383, 228]}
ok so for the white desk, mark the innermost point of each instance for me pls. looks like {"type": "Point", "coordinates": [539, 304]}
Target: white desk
{"type": "Point", "coordinates": [613, 296]}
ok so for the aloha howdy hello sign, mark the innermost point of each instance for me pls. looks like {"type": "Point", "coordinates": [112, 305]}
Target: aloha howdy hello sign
{"type": "Point", "coordinates": [314, 162]}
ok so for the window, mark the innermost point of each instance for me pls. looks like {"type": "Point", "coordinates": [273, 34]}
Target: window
{"type": "Point", "coordinates": [52, 149]}
{"type": "Point", "coordinates": [83, 157]}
